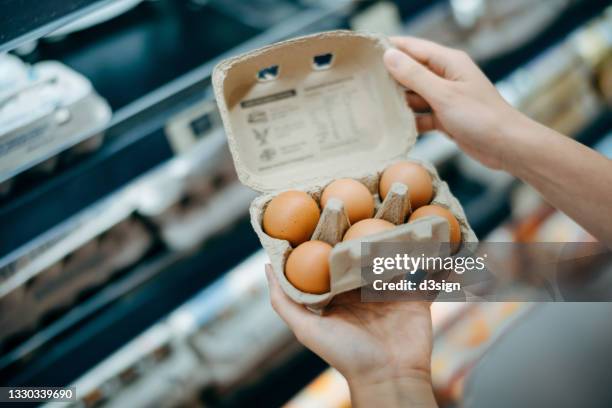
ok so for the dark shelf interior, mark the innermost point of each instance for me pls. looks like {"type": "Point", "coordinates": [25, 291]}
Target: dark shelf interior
{"type": "Point", "coordinates": [98, 335]}
{"type": "Point", "coordinates": [139, 51]}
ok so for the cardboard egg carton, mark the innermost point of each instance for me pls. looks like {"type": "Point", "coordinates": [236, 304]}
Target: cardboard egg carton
{"type": "Point", "coordinates": [304, 112]}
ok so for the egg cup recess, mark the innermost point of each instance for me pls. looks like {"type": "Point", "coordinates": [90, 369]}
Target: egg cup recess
{"type": "Point", "coordinates": [345, 257]}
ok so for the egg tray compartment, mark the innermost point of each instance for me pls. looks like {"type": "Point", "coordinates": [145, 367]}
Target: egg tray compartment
{"type": "Point", "coordinates": [345, 258]}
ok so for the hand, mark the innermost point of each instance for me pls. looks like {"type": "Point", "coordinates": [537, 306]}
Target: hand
{"type": "Point", "coordinates": [382, 349]}
{"type": "Point", "coordinates": [451, 94]}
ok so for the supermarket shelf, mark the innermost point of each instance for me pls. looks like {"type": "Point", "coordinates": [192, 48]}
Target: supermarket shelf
{"type": "Point", "coordinates": [21, 24]}
{"type": "Point", "coordinates": [597, 129]}
{"type": "Point", "coordinates": [510, 57]}
{"type": "Point", "coordinates": [111, 292]}
{"type": "Point", "coordinates": [150, 34]}
{"type": "Point", "coordinates": [122, 311]}
{"type": "Point", "coordinates": [279, 386]}
{"type": "Point", "coordinates": [146, 47]}
{"type": "Point", "coordinates": [134, 49]}
{"type": "Point", "coordinates": [135, 142]}
{"type": "Point", "coordinates": [576, 14]}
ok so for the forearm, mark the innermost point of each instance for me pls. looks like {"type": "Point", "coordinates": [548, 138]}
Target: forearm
{"type": "Point", "coordinates": [570, 176]}
{"type": "Point", "coordinates": [402, 392]}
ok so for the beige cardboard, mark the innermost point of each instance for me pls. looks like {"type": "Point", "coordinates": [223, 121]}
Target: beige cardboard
{"type": "Point", "coordinates": [312, 125]}
{"type": "Point", "coordinates": [349, 120]}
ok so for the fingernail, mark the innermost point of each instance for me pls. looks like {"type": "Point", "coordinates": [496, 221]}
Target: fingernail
{"type": "Point", "coordinates": [393, 58]}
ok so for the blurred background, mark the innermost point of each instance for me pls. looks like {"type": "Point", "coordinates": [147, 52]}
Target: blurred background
{"type": "Point", "coordinates": [128, 266]}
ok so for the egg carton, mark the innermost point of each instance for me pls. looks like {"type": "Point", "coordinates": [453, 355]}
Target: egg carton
{"type": "Point", "coordinates": [35, 292]}
{"type": "Point", "coordinates": [345, 257]}
{"type": "Point", "coordinates": [49, 114]}
{"type": "Point", "coordinates": [304, 112]}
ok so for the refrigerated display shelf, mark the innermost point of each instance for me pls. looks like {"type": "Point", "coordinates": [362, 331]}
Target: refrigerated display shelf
{"type": "Point", "coordinates": [597, 129]}
{"type": "Point", "coordinates": [128, 57]}
{"type": "Point", "coordinates": [21, 23]}
{"type": "Point", "coordinates": [135, 141]}
{"type": "Point", "coordinates": [89, 303]}
{"type": "Point", "coordinates": [277, 388]}
{"type": "Point", "coordinates": [146, 47]}
{"type": "Point", "coordinates": [103, 328]}
{"type": "Point", "coordinates": [575, 15]}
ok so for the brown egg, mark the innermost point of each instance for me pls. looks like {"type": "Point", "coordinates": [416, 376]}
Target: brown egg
{"type": "Point", "coordinates": [357, 199]}
{"type": "Point", "coordinates": [417, 179]}
{"type": "Point", "coordinates": [455, 229]}
{"type": "Point", "coordinates": [367, 227]}
{"type": "Point", "coordinates": [307, 267]}
{"type": "Point", "coordinates": [292, 216]}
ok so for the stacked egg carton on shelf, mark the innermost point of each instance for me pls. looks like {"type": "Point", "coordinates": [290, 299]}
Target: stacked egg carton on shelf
{"type": "Point", "coordinates": [50, 116]}
{"type": "Point", "coordinates": [210, 200]}
{"type": "Point", "coordinates": [312, 123]}
{"type": "Point", "coordinates": [46, 280]}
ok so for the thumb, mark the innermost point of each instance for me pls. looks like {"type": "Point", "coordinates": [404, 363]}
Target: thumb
{"type": "Point", "coordinates": [296, 316]}
{"type": "Point", "coordinates": [413, 75]}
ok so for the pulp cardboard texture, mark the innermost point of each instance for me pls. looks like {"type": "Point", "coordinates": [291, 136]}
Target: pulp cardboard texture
{"type": "Point", "coordinates": [294, 123]}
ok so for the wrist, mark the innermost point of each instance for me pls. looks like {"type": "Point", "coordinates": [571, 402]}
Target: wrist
{"type": "Point", "coordinates": [515, 130]}
{"type": "Point", "coordinates": [413, 389]}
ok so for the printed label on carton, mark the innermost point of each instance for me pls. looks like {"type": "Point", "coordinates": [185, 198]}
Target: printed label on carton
{"type": "Point", "coordinates": [318, 120]}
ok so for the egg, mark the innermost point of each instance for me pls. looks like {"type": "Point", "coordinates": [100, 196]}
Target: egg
{"type": "Point", "coordinates": [357, 199]}
{"type": "Point", "coordinates": [455, 229]}
{"type": "Point", "coordinates": [418, 180]}
{"type": "Point", "coordinates": [307, 267]}
{"type": "Point", "coordinates": [367, 227]}
{"type": "Point", "coordinates": [292, 216]}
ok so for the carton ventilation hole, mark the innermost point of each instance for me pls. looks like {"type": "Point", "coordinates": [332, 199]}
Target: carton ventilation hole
{"type": "Point", "coordinates": [268, 74]}
{"type": "Point", "coordinates": [323, 61]}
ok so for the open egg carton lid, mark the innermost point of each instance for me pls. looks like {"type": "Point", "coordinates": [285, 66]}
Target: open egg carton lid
{"type": "Point", "coordinates": [307, 110]}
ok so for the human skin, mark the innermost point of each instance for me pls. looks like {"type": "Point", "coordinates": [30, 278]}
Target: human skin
{"type": "Point", "coordinates": [384, 349]}
{"type": "Point", "coordinates": [452, 95]}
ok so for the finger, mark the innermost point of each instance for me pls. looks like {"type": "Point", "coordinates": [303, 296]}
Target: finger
{"type": "Point", "coordinates": [438, 57]}
{"type": "Point", "coordinates": [296, 316]}
{"type": "Point", "coordinates": [417, 103]}
{"type": "Point", "coordinates": [425, 122]}
{"type": "Point", "coordinates": [413, 75]}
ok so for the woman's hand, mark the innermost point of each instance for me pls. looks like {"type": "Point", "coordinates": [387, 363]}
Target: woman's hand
{"type": "Point", "coordinates": [454, 96]}
{"type": "Point", "coordinates": [451, 94]}
{"type": "Point", "coordinates": [382, 349]}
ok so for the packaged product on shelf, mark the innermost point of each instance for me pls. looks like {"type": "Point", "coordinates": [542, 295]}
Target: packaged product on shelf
{"type": "Point", "coordinates": [307, 112]}
{"type": "Point", "coordinates": [486, 30]}
{"type": "Point", "coordinates": [200, 199]}
{"type": "Point", "coordinates": [45, 109]}
{"type": "Point", "coordinates": [594, 45]}
{"type": "Point", "coordinates": [59, 274]}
